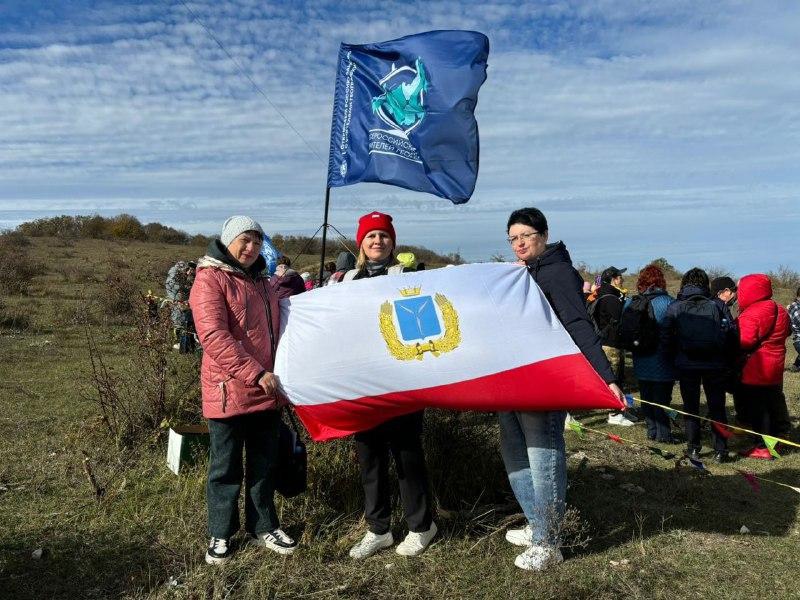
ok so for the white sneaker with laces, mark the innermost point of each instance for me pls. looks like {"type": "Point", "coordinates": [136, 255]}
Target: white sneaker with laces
{"type": "Point", "coordinates": [620, 419]}
{"type": "Point", "coordinates": [538, 558]}
{"type": "Point", "coordinates": [276, 540]}
{"type": "Point", "coordinates": [520, 537]}
{"type": "Point", "coordinates": [371, 543]}
{"type": "Point", "coordinates": [415, 543]}
{"type": "Point", "coordinates": [218, 551]}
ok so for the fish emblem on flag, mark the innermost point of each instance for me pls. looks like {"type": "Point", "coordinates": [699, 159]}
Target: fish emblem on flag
{"type": "Point", "coordinates": [416, 324]}
{"type": "Point", "coordinates": [402, 104]}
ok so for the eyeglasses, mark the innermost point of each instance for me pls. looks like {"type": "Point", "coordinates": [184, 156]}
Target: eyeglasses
{"type": "Point", "coordinates": [522, 237]}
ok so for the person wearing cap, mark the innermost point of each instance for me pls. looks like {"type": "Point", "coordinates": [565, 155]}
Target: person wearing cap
{"type": "Point", "coordinates": [532, 443]}
{"type": "Point", "coordinates": [606, 312]}
{"type": "Point", "coordinates": [723, 292]}
{"type": "Point", "coordinates": [237, 318]}
{"type": "Point", "coordinates": [400, 436]}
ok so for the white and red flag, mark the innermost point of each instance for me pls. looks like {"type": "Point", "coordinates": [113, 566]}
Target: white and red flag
{"type": "Point", "coordinates": [473, 337]}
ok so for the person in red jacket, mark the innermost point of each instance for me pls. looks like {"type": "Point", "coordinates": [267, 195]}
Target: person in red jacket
{"type": "Point", "coordinates": [237, 318]}
{"type": "Point", "coordinates": [763, 329]}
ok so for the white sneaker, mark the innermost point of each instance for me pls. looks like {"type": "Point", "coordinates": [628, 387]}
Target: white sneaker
{"type": "Point", "coordinates": [218, 551]}
{"type": "Point", "coordinates": [276, 540]}
{"type": "Point", "coordinates": [176, 346]}
{"type": "Point", "coordinates": [538, 558]}
{"type": "Point", "coordinates": [415, 543]}
{"type": "Point", "coordinates": [520, 537]}
{"type": "Point", "coordinates": [370, 544]}
{"type": "Point", "coordinates": [620, 419]}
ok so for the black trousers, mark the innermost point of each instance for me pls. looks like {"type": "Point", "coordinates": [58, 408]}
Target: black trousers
{"type": "Point", "coordinates": [257, 435]}
{"type": "Point", "coordinates": [761, 406]}
{"type": "Point", "coordinates": [714, 382]}
{"type": "Point", "coordinates": [796, 344]}
{"type": "Point", "coordinates": [402, 436]}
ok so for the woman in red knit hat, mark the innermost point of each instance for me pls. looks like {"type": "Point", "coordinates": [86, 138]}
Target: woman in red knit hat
{"type": "Point", "coordinates": [402, 436]}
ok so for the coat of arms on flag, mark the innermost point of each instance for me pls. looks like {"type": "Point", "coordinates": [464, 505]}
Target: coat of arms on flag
{"type": "Point", "coordinates": [472, 337]}
{"type": "Point", "coordinates": [423, 324]}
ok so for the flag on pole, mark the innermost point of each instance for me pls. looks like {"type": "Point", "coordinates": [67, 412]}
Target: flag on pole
{"type": "Point", "coordinates": [473, 337]}
{"type": "Point", "coordinates": [403, 113]}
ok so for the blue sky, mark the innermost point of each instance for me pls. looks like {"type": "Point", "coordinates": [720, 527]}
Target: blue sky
{"type": "Point", "coordinates": [642, 129]}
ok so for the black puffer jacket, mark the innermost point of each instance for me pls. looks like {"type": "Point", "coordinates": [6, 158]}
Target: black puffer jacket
{"type": "Point", "coordinates": [563, 287]}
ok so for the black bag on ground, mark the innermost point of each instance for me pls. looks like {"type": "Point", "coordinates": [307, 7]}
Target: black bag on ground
{"type": "Point", "coordinates": [700, 329]}
{"type": "Point", "coordinates": [638, 328]}
{"type": "Point", "coordinates": [292, 469]}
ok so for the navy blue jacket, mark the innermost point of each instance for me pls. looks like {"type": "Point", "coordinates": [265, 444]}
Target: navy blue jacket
{"type": "Point", "coordinates": [563, 287]}
{"type": "Point", "coordinates": [671, 343]}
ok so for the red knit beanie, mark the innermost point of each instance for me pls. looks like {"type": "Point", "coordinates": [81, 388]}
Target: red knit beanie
{"type": "Point", "coordinates": [373, 221]}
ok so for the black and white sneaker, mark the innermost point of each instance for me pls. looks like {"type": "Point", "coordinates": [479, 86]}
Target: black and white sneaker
{"type": "Point", "coordinates": [276, 540]}
{"type": "Point", "coordinates": [218, 551]}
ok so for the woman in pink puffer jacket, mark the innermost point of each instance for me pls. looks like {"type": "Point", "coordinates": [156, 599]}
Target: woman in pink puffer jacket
{"type": "Point", "coordinates": [237, 319]}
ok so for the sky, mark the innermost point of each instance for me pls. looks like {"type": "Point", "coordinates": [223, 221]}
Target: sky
{"type": "Point", "coordinates": [641, 129]}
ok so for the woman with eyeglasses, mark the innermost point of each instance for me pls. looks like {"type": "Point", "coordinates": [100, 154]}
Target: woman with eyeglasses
{"type": "Point", "coordinates": [532, 443]}
{"type": "Point", "coordinates": [237, 317]}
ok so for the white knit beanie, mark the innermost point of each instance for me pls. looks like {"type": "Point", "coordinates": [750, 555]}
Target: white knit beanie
{"type": "Point", "coordinates": [236, 226]}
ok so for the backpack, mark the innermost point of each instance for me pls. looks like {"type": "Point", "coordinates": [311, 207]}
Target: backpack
{"type": "Point", "coordinates": [638, 328]}
{"type": "Point", "coordinates": [602, 332]}
{"type": "Point", "coordinates": [700, 329]}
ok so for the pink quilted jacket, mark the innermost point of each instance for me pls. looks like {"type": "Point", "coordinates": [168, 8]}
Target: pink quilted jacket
{"type": "Point", "coordinates": [230, 315]}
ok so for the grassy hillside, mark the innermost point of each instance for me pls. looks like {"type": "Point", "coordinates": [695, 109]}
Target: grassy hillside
{"type": "Point", "coordinates": [144, 535]}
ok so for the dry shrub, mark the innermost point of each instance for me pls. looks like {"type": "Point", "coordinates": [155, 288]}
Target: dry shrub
{"type": "Point", "coordinates": [117, 297]}
{"type": "Point", "coordinates": [17, 268]}
{"type": "Point", "coordinates": [152, 387]}
{"type": "Point", "coordinates": [785, 277]}
{"type": "Point", "coordinates": [716, 272]}
{"type": "Point", "coordinates": [126, 227]}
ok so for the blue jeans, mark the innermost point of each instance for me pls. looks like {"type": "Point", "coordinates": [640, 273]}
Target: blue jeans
{"type": "Point", "coordinates": [532, 444]}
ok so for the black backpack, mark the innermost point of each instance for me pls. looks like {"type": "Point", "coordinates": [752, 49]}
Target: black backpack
{"type": "Point", "coordinates": [638, 328]}
{"type": "Point", "coordinates": [699, 328]}
{"type": "Point", "coordinates": [602, 332]}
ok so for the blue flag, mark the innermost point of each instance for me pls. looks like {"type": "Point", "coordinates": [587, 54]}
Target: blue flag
{"type": "Point", "coordinates": [403, 113]}
{"type": "Point", "coordinates": [271, 254]}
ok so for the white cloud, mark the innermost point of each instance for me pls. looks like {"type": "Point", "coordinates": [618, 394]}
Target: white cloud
{"type": "Point", "coordinates": [663, 105]}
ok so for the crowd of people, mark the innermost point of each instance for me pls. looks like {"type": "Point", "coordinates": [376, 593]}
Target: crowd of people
{"type": "Point", "coordinates": [694, 339]}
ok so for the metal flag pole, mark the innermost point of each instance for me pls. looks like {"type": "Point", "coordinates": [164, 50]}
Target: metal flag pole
{"type": "Point", "coordinates": [324, 235]}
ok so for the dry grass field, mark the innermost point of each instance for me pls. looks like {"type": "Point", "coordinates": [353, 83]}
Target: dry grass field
{"type": "Point", "coordinates": [144, 535]}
